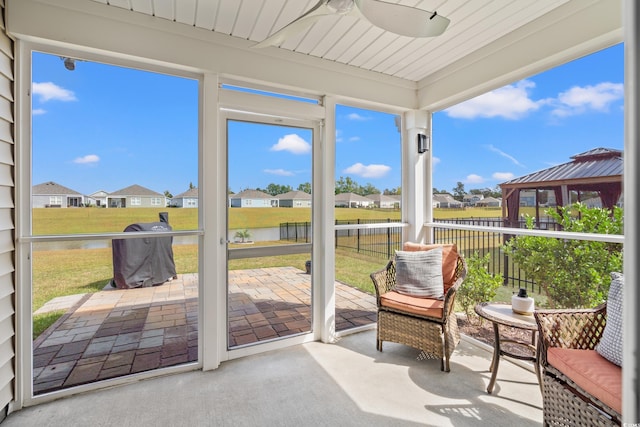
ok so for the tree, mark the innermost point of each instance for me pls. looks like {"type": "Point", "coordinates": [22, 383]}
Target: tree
{"type": "Point", "coordinates": [243, 234]}
{"type": "Point", "coordinates": [367, 189]}
{"type": "Point", "coordinates": [346, 185]}
{"type": "Point", "coordinates": [191, 186]}
{"type": "Point", "coordinates": [571, 273]}
{"type": "Point", "coordinates": [393, 192]}
{"type": "Point", "coordinates": [275, 189]}
{"type": "Point", "coordinates": [458, 191]}
{"type": "Point", "coordinates": [167, 194]}
{"type": "Point", "coordinates": [306, 187]}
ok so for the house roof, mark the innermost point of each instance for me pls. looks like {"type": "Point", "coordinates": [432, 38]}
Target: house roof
{"type": "Point", "coordinates": [300, 195]}
{"type": "Point", "coordinates": [252, 194]}
{"type": "Point", "coordinates": [473, 196]}
{"type": "Point", "coordinates": [51, 188]}
{"type": "Point", "coordinates": [490, 200]}
{"type": "Point", "coordinates": [446, 198]}
{"type": "Point", "coordinates": [135, 190]}
{"type": "Point", "coordinates": [351, 197]}
{"type": "Point", "coordinates": [381, 198]}
{"type": "Point", "coordinates": [191, 193]}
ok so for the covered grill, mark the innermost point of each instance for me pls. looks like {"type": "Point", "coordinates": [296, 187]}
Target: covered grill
{"type": "Point", "coordinates": [145, 261]}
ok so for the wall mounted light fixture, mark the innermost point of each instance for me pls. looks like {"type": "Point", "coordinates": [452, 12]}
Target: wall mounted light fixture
{"type": "Point", "coordinates": [423, 143]}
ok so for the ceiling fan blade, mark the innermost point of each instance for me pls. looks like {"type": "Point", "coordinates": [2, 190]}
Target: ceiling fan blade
{"type": "Point", "coordinates": [296, 26]}
{"type": "Point", "coordinates": [402, 20]}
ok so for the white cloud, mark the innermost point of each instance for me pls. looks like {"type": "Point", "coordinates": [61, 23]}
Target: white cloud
{"type": "Point", "coordinates": [503, 154]}
{"type": "Point", "coordinates": [357, 117]}
{"type": "Point", "coordinates": [474, 179]}
{"type": "Point", "coordinates": [367, 171]}
{"type": "Point", "coordinates": [293, 144]}
{"type": "Point", "coordinates": [435, 160]}
{"type": "Point", "coordinates": [354, 139]}
{"type": "Point", "coordinates": [51, 92]}
{"type": "Point", "coordinates": [509, 102]}
{"type": "Point", "coordinates": [578, 100]}
{"type": "Point", "coordinates": [338, 135]}
{"type": "Point", "coordinates": [280, 172]}
{"type": "Point", "coordinates": [502, 176]}
{"type": "Point", "coordinates": [38, 111]}
{"type": "Point", "coordinates": [88, 159]}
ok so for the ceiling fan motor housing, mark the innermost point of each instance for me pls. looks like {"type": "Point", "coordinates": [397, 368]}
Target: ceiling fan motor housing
{"type": "Point", "coordinates": [340, 6]}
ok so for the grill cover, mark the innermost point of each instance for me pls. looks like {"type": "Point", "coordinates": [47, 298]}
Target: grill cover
{"type": "Point", "coordinates": [147, 261]}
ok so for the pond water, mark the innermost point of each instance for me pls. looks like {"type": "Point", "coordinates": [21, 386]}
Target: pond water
{"type": "Point", "coordinates": [256, 234]}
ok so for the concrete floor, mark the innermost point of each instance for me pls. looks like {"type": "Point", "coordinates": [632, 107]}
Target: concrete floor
{"type": "Point", "coordinates": [348, 383]}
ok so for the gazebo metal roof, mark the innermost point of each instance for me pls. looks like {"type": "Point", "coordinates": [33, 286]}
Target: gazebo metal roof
{"type": "Point", "coordinates": [599, 170]}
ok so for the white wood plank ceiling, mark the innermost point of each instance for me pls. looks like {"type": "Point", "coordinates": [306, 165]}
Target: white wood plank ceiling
{"type": "Point", "coordinates": [352, 41]}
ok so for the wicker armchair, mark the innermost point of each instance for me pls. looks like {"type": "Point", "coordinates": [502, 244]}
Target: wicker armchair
{"type": "Point", "coordinates": [423, 323]}
{"type": "Point", "coordinates": [565, 402]}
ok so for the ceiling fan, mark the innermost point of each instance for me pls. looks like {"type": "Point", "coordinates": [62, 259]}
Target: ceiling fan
{"type": "Point", "coordinates": [392, 17]}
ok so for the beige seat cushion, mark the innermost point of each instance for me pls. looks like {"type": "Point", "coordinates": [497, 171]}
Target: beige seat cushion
{"type": "Point", "coordinates": [449, 259]}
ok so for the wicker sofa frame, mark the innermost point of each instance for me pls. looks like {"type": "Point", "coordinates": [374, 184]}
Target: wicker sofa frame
{"type": "Point", "coordinates": [437, 337]}
{"type": "Point", "coordinates": [564, 402]}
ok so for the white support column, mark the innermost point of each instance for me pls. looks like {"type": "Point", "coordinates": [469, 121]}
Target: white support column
{"type": "Point", "coordinates": [630, 316]}
{"type": "Point", "coordinates": [323, 189]}
{"type": "Point", "coordinates": [212, 214]}
{"type": "Point", "coordinates": [416, 176]}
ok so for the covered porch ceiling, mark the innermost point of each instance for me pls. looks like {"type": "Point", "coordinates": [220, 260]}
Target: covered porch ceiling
{"type": "Point", "coordinates": [486, 45]}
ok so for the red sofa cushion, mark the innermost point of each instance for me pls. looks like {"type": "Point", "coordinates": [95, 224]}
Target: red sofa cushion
{"type": "Point", "coordinates": [592, 372]}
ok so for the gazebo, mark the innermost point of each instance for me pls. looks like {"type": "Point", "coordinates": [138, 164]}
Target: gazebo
{"type": "Point", "coordinates": [597, 170]}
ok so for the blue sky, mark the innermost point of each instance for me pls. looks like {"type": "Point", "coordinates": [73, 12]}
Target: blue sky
{"type": "Point", "coordinates": [532, 124]}
{"type": "Point", "coordinates": [102, 127]}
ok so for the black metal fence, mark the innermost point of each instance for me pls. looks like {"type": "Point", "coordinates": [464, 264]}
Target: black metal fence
{"type": "Point", "coordinates": [295, 231]}
{"type": "Point", "coordinates": [383, 242]}
{"type": "Point", "coordinates": [377, 242]}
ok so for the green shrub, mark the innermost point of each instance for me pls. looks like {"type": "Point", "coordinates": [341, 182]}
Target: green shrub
{"type": "Point", "coordinates": [571, 273]}
{"type": "Point", "coordinates": [479, 285]}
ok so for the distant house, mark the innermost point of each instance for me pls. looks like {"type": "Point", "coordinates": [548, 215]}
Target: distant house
{"type": "Point", "coordinates": [99, 198]}
{"type": "Point", "coordinates": [471, 199]}
{"type": "Point", "coordinates": [54, 195]}
{"type": "Point", "coordinates": [253, 199]}
{"type": "Point", "coordinates": [352, 200]}
{"type": "Point", "coordinates": [489, 202]}
{"type": "Point", "coordinates": [294, 199]}
{"type": "Point", "coordinates": [384, 201]}
{"type": "Point", "coordinates": [136, 196]}
{"type": "Point", "coordinates": [447, 201]}
{"type": "Point", "coordinates": [188, 199]}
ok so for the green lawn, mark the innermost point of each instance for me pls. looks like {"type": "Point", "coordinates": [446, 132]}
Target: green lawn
{"type": "Point", "coordinates": [96, 220]}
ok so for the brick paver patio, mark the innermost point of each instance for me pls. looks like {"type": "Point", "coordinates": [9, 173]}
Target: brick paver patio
{"type": "Point", "coordinates": [117, 332]}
